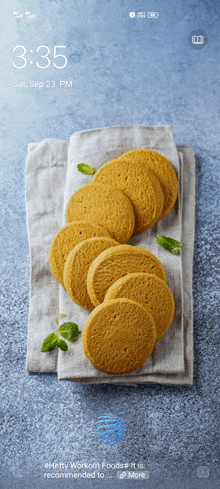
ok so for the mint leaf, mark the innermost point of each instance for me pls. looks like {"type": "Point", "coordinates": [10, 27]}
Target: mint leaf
{"type": "Point", "coordinates": [169, 244]}
{"type": "Point", "coordinates": [69, 330]}
{"type": "Point", "coordinates": [50, 342]}
{"type": "Point", "coordinates": [62, 345]}
{"type": "Point", "coordinates": [86, 169]}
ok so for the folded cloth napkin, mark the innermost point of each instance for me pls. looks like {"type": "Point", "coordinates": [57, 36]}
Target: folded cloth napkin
{"type": "Point", "coordinates": [51, 178]}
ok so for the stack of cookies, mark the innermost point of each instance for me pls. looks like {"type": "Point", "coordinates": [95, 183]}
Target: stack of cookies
{"type": "Point", "coordinates": [123, 286]}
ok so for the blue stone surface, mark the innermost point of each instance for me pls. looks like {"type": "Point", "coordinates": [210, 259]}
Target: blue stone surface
{"type": "Point", "coordinates": [124, 71]}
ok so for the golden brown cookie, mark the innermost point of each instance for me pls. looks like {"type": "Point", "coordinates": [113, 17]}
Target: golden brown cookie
{"type": "Point", "coordinates": [103, 205]}
{"type": "Point", "coordinates": [163, 170]}
{"type": "Point", "coordinates": [64, 241]}
{"type": "Point", "coordinates": [150, 291]}
{"type": "Point", "coordinates": [141, 186]}
{"type": "Point", "coordinates": [117, 262]}
{"type": "Point", "coordinates": [118, 336]}
{"type": "Point", "coordinates": [77, 266]}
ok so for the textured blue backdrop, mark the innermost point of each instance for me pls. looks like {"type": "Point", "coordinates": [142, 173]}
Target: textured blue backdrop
{"type": "Point", "coordinates": [124, 71]}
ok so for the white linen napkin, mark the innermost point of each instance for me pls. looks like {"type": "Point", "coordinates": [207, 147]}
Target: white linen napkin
{"type": "Point", "coordinates": [51, 178]}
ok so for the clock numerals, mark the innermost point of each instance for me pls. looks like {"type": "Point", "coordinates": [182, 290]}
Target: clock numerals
{"type": "Point", "coordinates": [20, 56]}
{"type": "Point", "coordinates": [44, 56]}
{"type": "Point", "coordinates": [55, 55]}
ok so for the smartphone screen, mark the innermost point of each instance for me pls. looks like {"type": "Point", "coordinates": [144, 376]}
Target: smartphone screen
{"type": "Point", "coordinates": [109, 244]}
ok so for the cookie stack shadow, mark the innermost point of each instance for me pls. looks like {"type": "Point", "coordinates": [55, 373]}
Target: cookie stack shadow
{"type": "Point", "coordinates": [124, 286]}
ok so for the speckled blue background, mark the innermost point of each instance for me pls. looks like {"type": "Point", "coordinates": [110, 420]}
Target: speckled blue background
{"type": "Point", "coordinates": [123, 71]}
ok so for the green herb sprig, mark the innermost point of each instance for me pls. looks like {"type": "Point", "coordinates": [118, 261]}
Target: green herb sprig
{"type": "Point", "coordinates": [169, 244]}
{"type": "Point", "coordinates": [69, 331]}
{"type": "Point", "coordinates": [86, 169]}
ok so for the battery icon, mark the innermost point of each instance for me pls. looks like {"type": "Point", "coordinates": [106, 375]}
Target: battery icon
{"type": "Point", "coordinates": [152, 15]}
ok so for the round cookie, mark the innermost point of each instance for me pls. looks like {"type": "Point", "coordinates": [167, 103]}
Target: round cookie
{"type": "Point", "coordinates": [150, 291]}
{"type": "Point", "coordinates": [64, 241]}
{"type": "Point", "coordinates": [163, 170]}
{"type": "Point", "coordinates": [118, 336]}
{"type": "Point", "coordinates": [77, 266]}
{"type": "Point", "coordinates": [115, 263]}
{"type": "Point", "coordinates": [141, 186]}
{"type": "Point", "coordinates": [103, 205]}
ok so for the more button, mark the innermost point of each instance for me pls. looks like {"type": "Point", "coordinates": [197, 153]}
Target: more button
{"type": "Point", "coordinates": [133, 474]}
